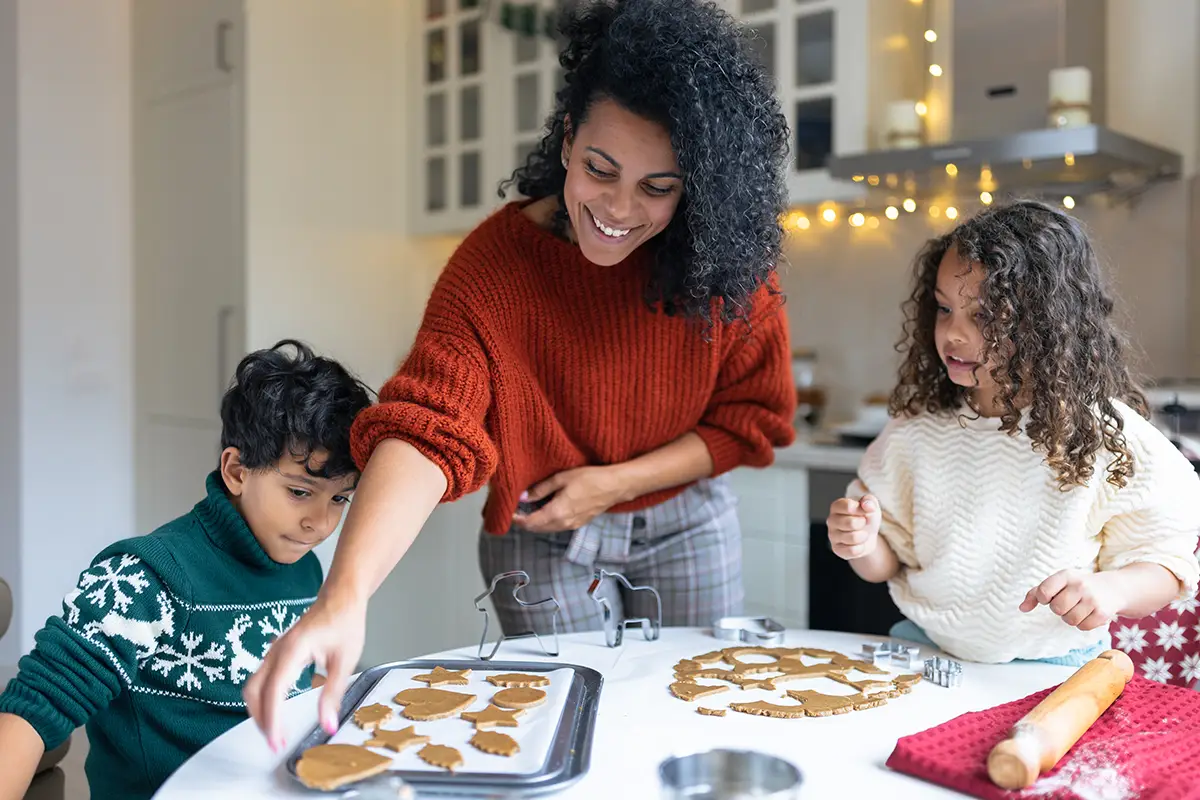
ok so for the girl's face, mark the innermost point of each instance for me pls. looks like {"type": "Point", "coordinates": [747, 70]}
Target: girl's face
{"type": "Point", "coordinates": [623, 182]}
{"type": "Point", "coordinates": [956, 333]}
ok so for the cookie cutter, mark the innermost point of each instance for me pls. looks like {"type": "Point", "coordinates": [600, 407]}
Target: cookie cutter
{"type": "Point", "coordinates": [752, 630]}
{"type": "Point", "coordinates": [943, 671]}
{"type": "Point", "coordinates": [614, 632]}
{"type": "Point", "coordinates": [884, 653]}
{"type": "Point", "coordinates": [522, 579]}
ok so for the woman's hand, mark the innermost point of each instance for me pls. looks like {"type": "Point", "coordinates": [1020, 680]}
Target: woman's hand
{"type": "Point", "coordinates": [329, 635]}
{"type": "Point", "coordinates": [579, 496]}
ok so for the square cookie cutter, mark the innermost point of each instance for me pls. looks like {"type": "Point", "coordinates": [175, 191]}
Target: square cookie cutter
{"type": "Point", "coordinates": [943, 671]}
{"type": "Point", "coordinates": [614, 631]}
{"type": "Point", "coordinates": [883, 653]}
{"type": "Point", "coordinates": [522, 580]}
{"type": "Point", "coordinates": [752, 630]}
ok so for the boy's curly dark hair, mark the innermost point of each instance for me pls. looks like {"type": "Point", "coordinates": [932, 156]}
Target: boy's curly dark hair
{"type": "Point", "coordinates": [685, 65]}
{"type": "Point", "coordinates": [292, 403]}
{"type": "Point", "coordinates": [1046, 319]}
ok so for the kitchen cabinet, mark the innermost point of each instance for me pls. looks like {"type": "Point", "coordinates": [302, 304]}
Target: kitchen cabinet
{"type": "Point", "coordinates": [486, 91]}
{"type": "Point", "coordinates": [189, 256]}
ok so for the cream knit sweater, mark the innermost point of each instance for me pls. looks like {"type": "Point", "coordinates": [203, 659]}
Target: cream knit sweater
{"type": "Point", "coordinates": [977, 520]}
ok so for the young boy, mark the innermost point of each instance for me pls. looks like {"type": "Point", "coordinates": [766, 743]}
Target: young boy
{"type": "Point", "coordinates": [162, 631]}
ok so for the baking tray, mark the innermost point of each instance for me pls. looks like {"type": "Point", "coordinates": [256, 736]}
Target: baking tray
{"type": "Point", "coordinates": [567, 760]}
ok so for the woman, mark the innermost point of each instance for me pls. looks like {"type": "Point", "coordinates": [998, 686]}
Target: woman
{"type": "Point", "coordinates": [606, 350]}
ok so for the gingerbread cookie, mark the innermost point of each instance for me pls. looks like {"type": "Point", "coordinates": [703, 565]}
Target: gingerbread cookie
{"type": "Point", "coordinates": [691, 691]}
{"type": "Point", "coordinates": [496, 743]}
{"type": "Point", "coordinates": [439, 755]}
{"type": "Point", "coordinates": [444, 677]}
{"type": "Point", "coordinates": [711, 712]}
{"type": "Point", "coordinates": [331, 766]}
{"type": "Point", "coordinates": [519, 698]}
{"type": "Point", "coordinates": [371, 717]}
{"type": "Point", "coordinates": [762, 708]}
{"type": "Point", "coordinates": [905, 682]}
{"type": "Point", "coordinates": [492, 717]}
{"type": "Point", "coordinates": [422, 705]}
{"type": "Point", "coordinates": [397, 741]}
{"type": "Point", "coordinates": [517, 680]}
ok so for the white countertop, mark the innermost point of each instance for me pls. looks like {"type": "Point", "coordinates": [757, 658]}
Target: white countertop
{"type": "Point", "coordinates": [809, 452]}
{"type": "Point", "coordinates": [639, 723]}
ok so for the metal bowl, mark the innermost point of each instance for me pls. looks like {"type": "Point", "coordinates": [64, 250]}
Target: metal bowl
{"type": "Point", "coordinates": [728, 775]}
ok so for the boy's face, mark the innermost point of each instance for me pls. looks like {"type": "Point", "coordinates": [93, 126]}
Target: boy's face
{"type": "Point", "coordinates": [288, 510]}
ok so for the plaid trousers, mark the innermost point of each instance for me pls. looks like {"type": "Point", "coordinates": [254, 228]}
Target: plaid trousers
{"type": "Point", "coordinates": [689, 548]}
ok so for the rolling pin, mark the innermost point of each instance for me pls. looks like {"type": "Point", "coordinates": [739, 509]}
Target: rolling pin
{"type": "Point", "coordinates": [1045, 734]}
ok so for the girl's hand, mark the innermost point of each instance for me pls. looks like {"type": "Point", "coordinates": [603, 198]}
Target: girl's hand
{"type": "Point", "coordinates": [1084, 600]}
{"type": "Point", "coordinates": [854, 527]}
{"type": "Point", "coordinates": [579, 496]}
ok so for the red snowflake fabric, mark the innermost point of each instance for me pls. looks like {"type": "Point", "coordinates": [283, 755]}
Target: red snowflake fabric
{"type": "Point", "coordinates": [1147, 744]}
{"type": "Point", "coordinates": [1164, 647]}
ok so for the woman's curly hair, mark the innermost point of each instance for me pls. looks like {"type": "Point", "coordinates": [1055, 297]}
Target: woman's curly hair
{"type": "Point", "coordinates": [1046, 320]}
{"type": "Point", "coordinates": [684, 64]}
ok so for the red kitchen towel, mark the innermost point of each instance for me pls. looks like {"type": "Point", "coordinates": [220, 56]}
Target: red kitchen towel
{"type": "Point", "coordinates": [1146, 745]}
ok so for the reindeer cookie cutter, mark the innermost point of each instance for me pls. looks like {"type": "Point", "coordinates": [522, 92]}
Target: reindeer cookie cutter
{"type": "Point", "coordinates": [522, 580]}
{"type": "Point", "coordinates": [614, 632]}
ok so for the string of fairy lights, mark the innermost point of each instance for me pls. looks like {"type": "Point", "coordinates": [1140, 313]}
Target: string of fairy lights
{"type": "Point", "coordinates": [901, 204]}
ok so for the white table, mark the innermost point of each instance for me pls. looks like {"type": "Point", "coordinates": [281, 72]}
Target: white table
{"type": "Point", "coordinates": [639, 723]}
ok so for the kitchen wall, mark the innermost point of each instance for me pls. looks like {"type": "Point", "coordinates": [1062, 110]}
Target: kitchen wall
{"type": "Point", "coordinates": [65, 297]}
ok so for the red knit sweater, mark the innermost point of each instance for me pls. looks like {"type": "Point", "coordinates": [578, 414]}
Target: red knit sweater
{"type": "Point", "coordinates": [531, 360]}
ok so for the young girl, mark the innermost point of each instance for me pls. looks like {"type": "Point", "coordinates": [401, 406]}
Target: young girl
{"type": "Point", "coordinates": [1019, 499]}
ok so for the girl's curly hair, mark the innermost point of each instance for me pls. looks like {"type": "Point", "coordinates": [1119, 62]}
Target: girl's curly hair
{"type": "Point", "coordinates": [1046, 320]}
{"type": "Point", "coordinates": [684, 64]}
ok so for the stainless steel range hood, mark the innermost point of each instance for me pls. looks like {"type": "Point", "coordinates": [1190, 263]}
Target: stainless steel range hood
{"type": "Point", "coordinates": [1052, 161]}
{"type": "Point", "coordinates": [999, 140]}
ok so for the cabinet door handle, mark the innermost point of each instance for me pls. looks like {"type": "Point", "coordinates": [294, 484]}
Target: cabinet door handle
{"type": "Point", "coordinates": [223, 376]}
{"type": "Point", "coordinates": [223, 29]}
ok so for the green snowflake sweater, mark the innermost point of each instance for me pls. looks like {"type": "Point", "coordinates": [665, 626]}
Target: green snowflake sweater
{"type": "Point", "coordinates": [155, 644]}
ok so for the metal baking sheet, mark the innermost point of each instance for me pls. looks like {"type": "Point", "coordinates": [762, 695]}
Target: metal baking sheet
{"type": "Point", "coordinates": [567, 757]}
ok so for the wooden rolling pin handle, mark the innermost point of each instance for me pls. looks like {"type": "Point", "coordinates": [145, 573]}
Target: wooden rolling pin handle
{"type": "Point", "coordinates": [1044, 735]}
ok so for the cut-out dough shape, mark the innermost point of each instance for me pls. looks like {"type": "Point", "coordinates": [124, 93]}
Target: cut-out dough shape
{"type": "Point", "coordinates": [371, 717]}
{"type": "Point", "coordinates": [822, 705]}
{"type": "Point", "coordinates": [498, 744]}
{"type": "Point", "coordinates": [519, 698]}
{"type": "Point", "coordinates": [444, 677]}
{"type": "Point", "coordinates": [421, 705]}
{"type": "Point", "coordinates": [692, 691]}
{"type": "Point", "coordinates": [762, 708]}
{"type": "Point", "coordinates": [711, 712]}
{"type": "Point", "coordinates": [331, 766]}
{"type": "Point", "coordinates": [492, 717]}
{"type": "Point", "coordinates": [439, 755]}
{"type": "Point", "coordinates": [518, 680]}
{"type": "Point", "coordinates": [397, 741]}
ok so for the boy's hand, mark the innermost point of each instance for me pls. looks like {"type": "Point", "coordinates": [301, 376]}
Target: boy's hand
{"type": "Point", "coordinates": [854, 526]}
{"type": "Point", "coordinates": [1084, 600]}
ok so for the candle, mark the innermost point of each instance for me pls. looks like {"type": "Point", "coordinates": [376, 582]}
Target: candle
{"type": "Point", "coordinates": [1070, 97]}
